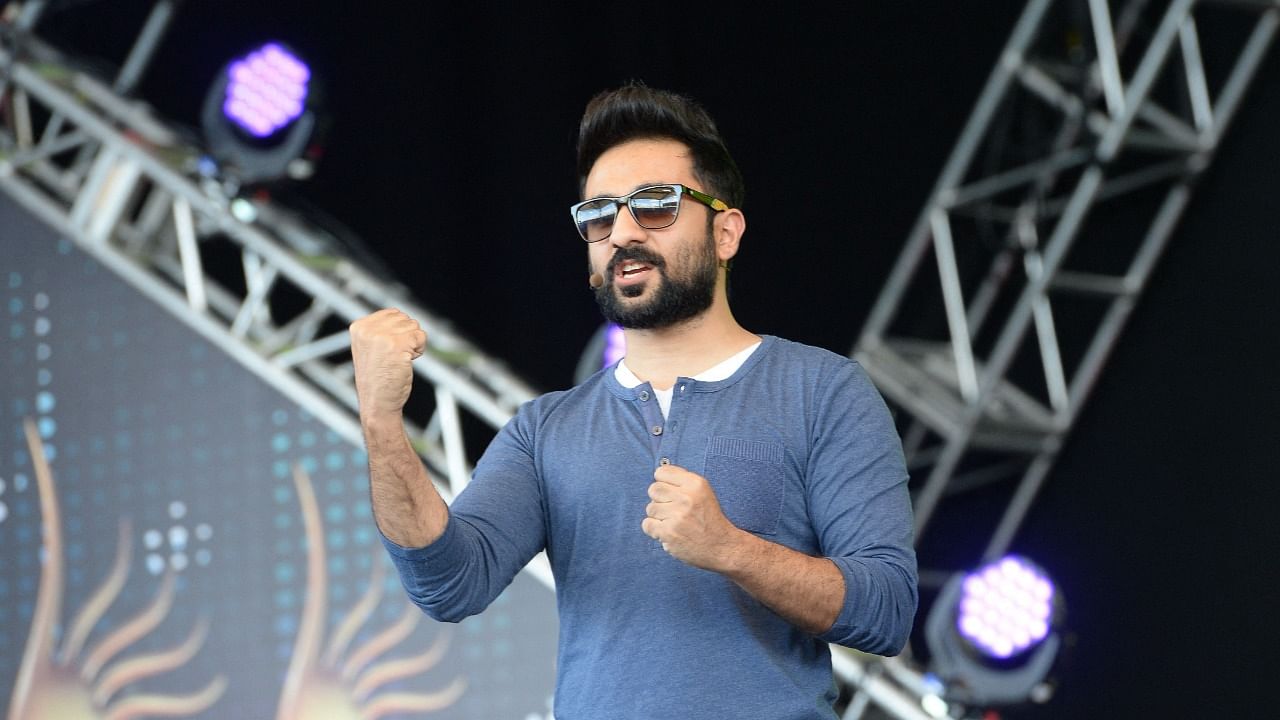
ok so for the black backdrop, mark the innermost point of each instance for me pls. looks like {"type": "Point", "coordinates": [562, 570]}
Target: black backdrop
{"type": "Point", "coordinates": [450, 153]}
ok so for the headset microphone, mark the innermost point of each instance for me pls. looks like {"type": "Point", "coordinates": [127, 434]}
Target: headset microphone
{"type": "Point", "coordinates": [596, 281]}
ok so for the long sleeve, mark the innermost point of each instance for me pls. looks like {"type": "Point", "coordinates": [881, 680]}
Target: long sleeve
{"type": "Point", "coordinates": [496, 525]}
{"type": "Point", "coordinates": [861, 511]}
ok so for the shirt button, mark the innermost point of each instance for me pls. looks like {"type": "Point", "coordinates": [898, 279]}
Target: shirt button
{"type": "Point", "coordinates": [644, 395]}
{"type": "Point", "coordinates": [682, 388]}
{"type": "Point", "coordinates": [657, 430]}
{"type": "Point", "coordinates": [664, 461]}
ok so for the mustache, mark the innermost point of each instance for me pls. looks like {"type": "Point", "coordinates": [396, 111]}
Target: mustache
{"type": "Point", "coordinates": [633, 253]}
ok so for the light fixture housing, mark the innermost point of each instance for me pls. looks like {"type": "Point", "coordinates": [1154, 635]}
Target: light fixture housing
{"type": "Point", "coordinates": [259, 115]}
{"type": "Point", "coordinates": [993, 633]}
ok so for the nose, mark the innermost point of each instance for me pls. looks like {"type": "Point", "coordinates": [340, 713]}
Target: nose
{"type": "Point", "coordinates": [626, 230]}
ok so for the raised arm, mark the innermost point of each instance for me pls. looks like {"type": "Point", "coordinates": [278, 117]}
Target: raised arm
{"type": "Point", "coordinates": [406, 506]}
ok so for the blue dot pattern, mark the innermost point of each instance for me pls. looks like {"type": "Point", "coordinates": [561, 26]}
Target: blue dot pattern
{"type": "Point", "coordinates": [145, 423]}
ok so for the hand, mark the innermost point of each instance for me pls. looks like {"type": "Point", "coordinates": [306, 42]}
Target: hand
{"type": "Point", "coordinates": [686, 518]}
{"type": "Point", "coordinates": [383, 348]}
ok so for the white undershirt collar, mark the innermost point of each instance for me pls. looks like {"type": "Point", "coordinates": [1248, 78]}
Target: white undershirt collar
{"type": "Point", "coordinates": [720, 371]}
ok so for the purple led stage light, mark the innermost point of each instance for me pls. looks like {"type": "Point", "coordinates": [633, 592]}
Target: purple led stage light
{"type": "Point", "coordinates": [266, 90]}
{"type": "Point", "coordinates": [615, 344]}
{"type": "Point", "coordinates": [1006, 607]}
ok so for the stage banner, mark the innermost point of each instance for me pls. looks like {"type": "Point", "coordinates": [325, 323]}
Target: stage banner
{"type": "Point", "coordinates": [179, 540]}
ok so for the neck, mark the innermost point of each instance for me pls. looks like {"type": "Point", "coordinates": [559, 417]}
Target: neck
{"type": "Point", "coordinates": [661, 355]}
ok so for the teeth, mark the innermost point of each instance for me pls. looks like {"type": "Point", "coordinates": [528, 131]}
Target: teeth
{"type": "Point", "coordinates": [631, 267]}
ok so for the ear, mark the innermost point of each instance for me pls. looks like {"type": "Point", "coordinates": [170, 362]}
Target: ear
{"type": "Point", "coordinates": [728, 229]}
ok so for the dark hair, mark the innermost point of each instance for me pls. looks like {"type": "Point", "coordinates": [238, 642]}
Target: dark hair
{"type": "Point", "coordinates": [635, 112]}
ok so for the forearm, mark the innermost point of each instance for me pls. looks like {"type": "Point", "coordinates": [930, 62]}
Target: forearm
{"type": "Point", "coordinates": [408, 509]}
{"type": "Point", "coordinates": [806, 591]}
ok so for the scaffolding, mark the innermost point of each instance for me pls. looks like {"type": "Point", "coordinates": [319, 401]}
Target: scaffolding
{"type": "Point", "coordinates": [1058, 199]}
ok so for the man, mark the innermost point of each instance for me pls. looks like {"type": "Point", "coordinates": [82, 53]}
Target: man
{"type": "Point", "coordinates": [716, 508]}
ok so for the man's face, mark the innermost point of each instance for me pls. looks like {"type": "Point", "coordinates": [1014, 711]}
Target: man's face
{"type": "Point", "coordinates": [652, 278]}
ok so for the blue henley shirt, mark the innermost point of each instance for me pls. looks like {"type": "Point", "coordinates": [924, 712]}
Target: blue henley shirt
{"type": "Point", "coordinates": [800, 450]}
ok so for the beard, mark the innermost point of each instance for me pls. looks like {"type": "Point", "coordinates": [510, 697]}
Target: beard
{"type": "Point", "coordinates": [683, 294]}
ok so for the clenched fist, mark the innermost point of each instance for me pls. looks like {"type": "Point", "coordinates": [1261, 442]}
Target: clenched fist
{"type": "Point", "coordinates": [686, 518]}
{"type": "Point", "coordinates": [383, 348]}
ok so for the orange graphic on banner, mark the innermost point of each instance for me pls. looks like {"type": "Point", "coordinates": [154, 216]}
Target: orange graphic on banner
{"type": "Point", "coordinates": [86, 685]}
{"type": "Point", "coordinates": [338, 684]}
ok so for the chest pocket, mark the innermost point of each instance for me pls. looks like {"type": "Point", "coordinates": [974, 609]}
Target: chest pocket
{"type": "Point", "coordinates": [748, 481]}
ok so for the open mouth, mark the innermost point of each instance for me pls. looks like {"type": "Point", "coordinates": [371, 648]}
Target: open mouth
{"type": "Point", "coordinates": [630, 271]}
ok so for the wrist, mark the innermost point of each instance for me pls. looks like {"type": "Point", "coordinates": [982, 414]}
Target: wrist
{"type": "Point", "coordinates": [377, 425]}
{"type": "Point", "coordinates": [739, 553]}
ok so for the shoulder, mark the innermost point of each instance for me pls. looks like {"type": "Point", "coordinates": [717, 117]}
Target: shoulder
{"type": "Point", "coordinates": [552, 417]}
{"type": "Point", "coordinates": [818, 384]}
{"type": "Point", "coordinates": [559, 404]}
{"type": "Point", "coordinates": [798, 360]}
{"type": "Point", "coordinates": [790, 350]}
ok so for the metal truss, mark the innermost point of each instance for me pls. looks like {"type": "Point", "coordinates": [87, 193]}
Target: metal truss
{"type": "Point", "coordinates": [273, 291]}
{"type": "Point", "coordinates": [1047, 220]}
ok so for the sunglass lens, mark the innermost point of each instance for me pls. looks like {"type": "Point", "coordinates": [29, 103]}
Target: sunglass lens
{"type": "Point", "coordinates": [656, 207]}
{"type": "Point", "coordinates": [595, 219]}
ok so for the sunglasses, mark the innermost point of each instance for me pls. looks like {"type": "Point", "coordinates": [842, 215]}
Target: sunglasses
{"type": "Point", "coordinates": [653, 207]}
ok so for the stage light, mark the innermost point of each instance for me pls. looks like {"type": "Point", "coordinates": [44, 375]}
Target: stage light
{"type": "Point", "coordinates": [992, 633]}
{"type": "Point", "coordinates": [259, 116]}
{"type": "Point", "coordinates": [615, 345]}
{"type": "Point", "coordinates": [1005, 607]}
{"type": "Point", "coordinates": [266, 90]}
{"type": "Point", "coordinates": [607, 346]}
{"type": "Point", "coordinates": [243, 210]}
